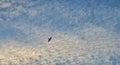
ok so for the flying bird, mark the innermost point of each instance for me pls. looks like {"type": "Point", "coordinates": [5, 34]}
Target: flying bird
{"type": "Point", "coordinates": [49, 39]}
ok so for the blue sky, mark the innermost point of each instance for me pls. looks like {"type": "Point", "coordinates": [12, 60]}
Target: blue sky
{"type": "Point", "coordinates": [87, 21]}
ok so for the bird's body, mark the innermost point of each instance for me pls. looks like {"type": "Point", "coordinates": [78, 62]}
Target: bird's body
{"type": "Point", "coordinates": [49, 39]}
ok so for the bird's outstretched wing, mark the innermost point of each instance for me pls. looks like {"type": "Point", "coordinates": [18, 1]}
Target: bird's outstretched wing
{"type": "Point", "coordinates": [49, 39]}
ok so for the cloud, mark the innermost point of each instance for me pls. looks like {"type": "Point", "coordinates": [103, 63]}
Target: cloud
{"type": "Point", "coordinates": [5, 5]}
{"type": "Point", "coordinates": [98, 45]}
{"type": "Point", "coordinates": [87, 36]}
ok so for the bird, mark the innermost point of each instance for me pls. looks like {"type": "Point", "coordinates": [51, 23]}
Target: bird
{"type": "Point", "coordinates": [49, 39]}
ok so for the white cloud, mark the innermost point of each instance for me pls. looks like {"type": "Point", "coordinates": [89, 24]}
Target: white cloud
{"type": "Point", "coordinates": [61, 48]}
{"type": "Point", "coordinates": [5, 5]}
{"type": "Point", "coordinates": [92, 45]}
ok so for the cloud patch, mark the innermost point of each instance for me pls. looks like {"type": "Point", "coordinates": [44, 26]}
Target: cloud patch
{"type": "Point", "coordinates": [82, 34]}
{"type": "Point", "coordinates": [98, 47]}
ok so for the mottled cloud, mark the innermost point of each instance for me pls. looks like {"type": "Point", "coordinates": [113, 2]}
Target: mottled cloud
{"type": "Point", "coordinates": [82, 35]}
{"type": "Point", "coordinates": [93, 46]}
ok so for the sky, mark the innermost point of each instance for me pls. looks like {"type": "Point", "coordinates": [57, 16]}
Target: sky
{"type": "Point", "coordinates": [85, 32]}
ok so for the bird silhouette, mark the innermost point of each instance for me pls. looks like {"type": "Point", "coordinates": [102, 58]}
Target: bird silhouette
{"type": "Point", "coordinates": [49, 39]}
